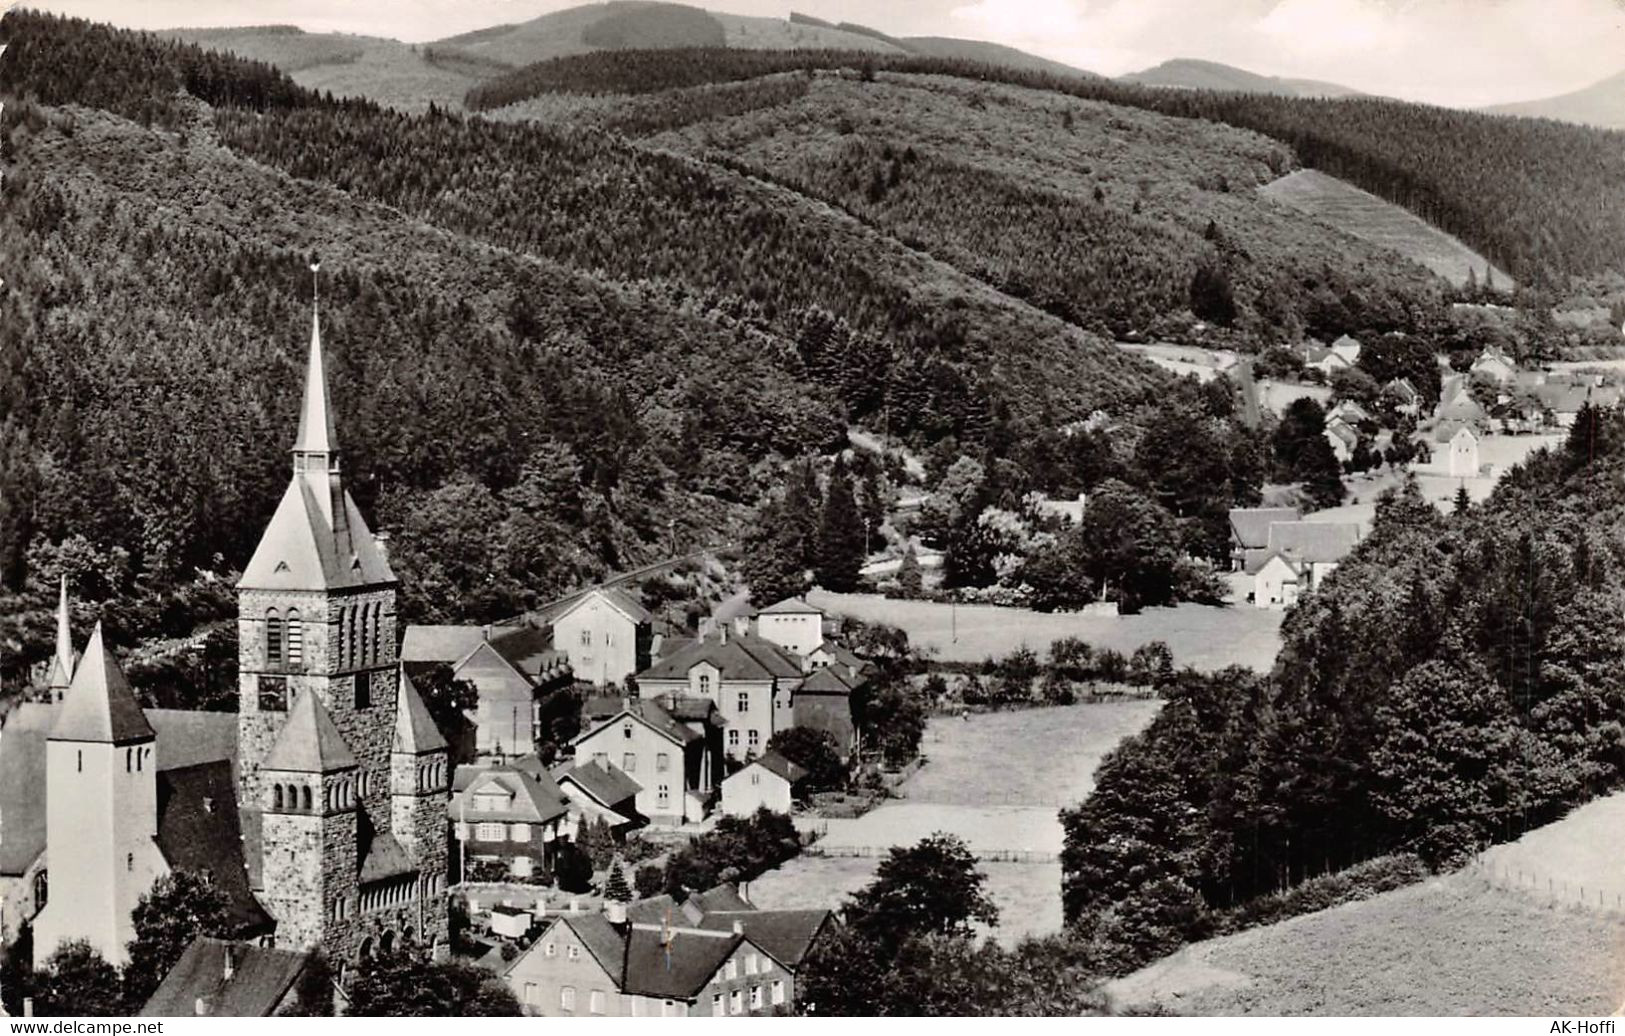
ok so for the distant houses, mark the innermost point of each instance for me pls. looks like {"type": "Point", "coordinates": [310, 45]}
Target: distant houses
{"type": "Point", "coordinates": [1286, 556]}
{"type": "Point", "coordinates": [606, 635]}
{"type": "Point", "coordinates": [511, 667]}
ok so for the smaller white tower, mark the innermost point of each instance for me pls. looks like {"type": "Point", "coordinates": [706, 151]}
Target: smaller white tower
{"type": "Point", "coordinates": [62, 662]}
{"type": "Point", "coordinates": [101, 811]}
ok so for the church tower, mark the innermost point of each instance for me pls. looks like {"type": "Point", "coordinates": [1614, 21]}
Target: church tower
{"type": "Point", "coordinates": [318, 707]}
{"type": "Point", "coordinates": [419, 780]}
{"type": "Point", "coordinates": [62, 661]}
{"type": "Point", "coordinates": [101, 811]}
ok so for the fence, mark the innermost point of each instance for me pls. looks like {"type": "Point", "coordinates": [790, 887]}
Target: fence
{"type": "Point", "coordinates": [1546, 887]}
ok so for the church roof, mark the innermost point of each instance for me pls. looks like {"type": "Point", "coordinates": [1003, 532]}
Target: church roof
{"type": "Point", "coordinates": [386, 858]}
{"type": "Point", "coordinates": [62, 661]}
{"type": "Point", "coordinates": [300, 550]}
{"type": "Point", "coordinates": [316, 434]}
{"type": "Point", "coordinates": [200, 830]}
{"type": "Point", "coordinates": [309, 741]}
{"type": "Point", "coordinates": [99, 705]}
{"type": "Point", "coordinates": [415, 730]}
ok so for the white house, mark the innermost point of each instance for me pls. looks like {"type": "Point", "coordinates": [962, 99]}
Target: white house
{"type": "Point", "coordinates": [769, 781]}
{"type": "Point", "coordinates": [792, 624]}
{"type": "Point", "coordinates": [1299, 557]}
{"type": "Point", "coordinates": [1464, 453]}
{"type": "Point", "coordinates": [1276, 584]}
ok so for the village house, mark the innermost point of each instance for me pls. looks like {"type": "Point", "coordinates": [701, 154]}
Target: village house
{"type": "Point", "coordinates": [767, 782]}
{"type": "Point", "coordinates": [215, 977]}
{"type": "Point", "coordinates": [654, 960]}
{"type": "Point", "coordinates": [1298, 558]}
{"type": "Point", "coordinates": [823, 701]}
{"type": "Point", "coordinates": [1317, 356]}
{"type": "Point", "coordinates": [597, 791]}
{"type": "Point", "coordinates": [1493, 363]}
{"type": "Point", "coordinates": [1250, 532]}
{"type": "Point", "coordinates": [1347, 348]}
{"type": "Point", "coordinates": [675, 763]}
{"type": "Point", "coordinates": [1404, 395]}
{"type": "Point", "coordinates": [792, 624]}
{"type": "Point", "coordinates": [1462, 458]}
{"type": "Point", "coordinates": [606, 635]}
{"type": "Point", "coordinates": [1343, 437]}
{"type": "Point", "coordinates": [751, 680]}
{"type": "Point", "coordinates": [509, 815]}
{"type": "Point", "coordinates": [511, 668]}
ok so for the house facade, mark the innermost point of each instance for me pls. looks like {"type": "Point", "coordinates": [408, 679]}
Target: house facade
{"type": "Point", "coordinates": [750, 680]}
{"type": "Point", "coordinates": [606, 635]}
{"type": "Point", "coordinates": [768, 782]}
{"type": "Point", "coordinates": [674, 764]}
{"type": "Point", "coordinates": [1463, 455]}
{"type": "Point", "coordinates": [792, 624]}
{"type": "Point", "coordinates": [508, 816]}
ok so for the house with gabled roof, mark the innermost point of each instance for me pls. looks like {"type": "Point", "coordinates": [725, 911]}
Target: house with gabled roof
{"type": "Point", "coordinates": [1250, 530]}
{"type": "Point", "coordinates": [1298, 558]}
{"type": "Point", "coordinates": [597, 791]}
{"type": "Point", "coordinates": [511, 667]}
{"type": "Point", "coordinates": [768, 781]}
{"type": "Point", "coordinates": [751, 680]}
{"type": "Point", "coordinates": [226, 979]}
{"type": "Point", "coordinates": [715, 956]}
{"type": "Point", "coordinates": [606, 634]}
{"type": "Point", "coordinates": [1343, 437]}
{"type": "Point", "coordinates": [509, 815]}
{"type": "Point", "coordinates": [792, 624]}
{"type": "Point", "coordinates": [674, 762]}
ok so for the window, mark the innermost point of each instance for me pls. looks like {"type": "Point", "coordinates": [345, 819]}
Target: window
{"type": "Point", "coordinates": [717, 1010]}
{"type": "Point", "coordinates": [754, 738]}
{"type": "Point", "coordinates": [601, 758]}
{"type": "Point", "coordinates": [736, 1002]}
{"type": "Point", "coordinates": [520, 833]}
{"type": "Point", "coordinates": [363, 691]}
{"type": "Point", "coordinates": [573, 952]}
{"type": "Point", "coordinates": [732, 971]}
{"type": "Point", "coordinates": [567, 998]}
{"type": "Point", "coordinates": [273, 637]}
{"type": "Point", "coordinates": [296, 638]}
{"type": "Point", "coordinates": [705, 685]}
{"type": "Point", "coordinates": [491, 832]}
{"type": "Point", "coordinates": [352, 616]}
{"type": "Point", "coordinates": [609, 639]}
{"type": "Point", "coordinates": [586, 638]}
{"type": "Point", "coordinates": [79, 759]}
{"type": "Point", "coordinates": [778, 991]}
{"type": "Point", "coordinates": [665, 794]}
{"type": "Point", "coordinates": [129, 861]}
{"type": "Point", "coordinates": [662, 762]}
{"type": "Point", "coordinates": [629, 762]}
{"type": "Point", "coordinates": [733, 739]}
{"type": "Point", "coordinates": [750, 964]}
{"type": "Point", "coordinates": [755, 998]}
{"type": "Point", "coordinates": [626, 730]}
{"type": "Point", "coordinates": [343, 640]}
{"type": "Point", "coordinates": [744, 701]}
{"type": "Point", "coordinates": [276, 796]}
{"type": "Point", "coordinates": [550, 950]}
{"type": "Point", "coordinates": [531, 993]}
{"type": "Point", "coordinates": [756, 776]}
{"type": "Point", "coordinates": [366, 633]}
{"type": "Point", "coordinates": [595, 1002]}
{"type": "Point", "coordinates": [273, 694]}
{"type": "Point", "coordinates": [305, 799]}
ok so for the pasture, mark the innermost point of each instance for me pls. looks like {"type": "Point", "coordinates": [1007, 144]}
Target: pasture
{"type": "Point", "coordinates": [1206, 364]}
{"type": "Point", "coordinates": [1369, 218]}
{"type": "Point", "coordinates": [1450, 946]}
{"type": "Point", "coordinates": [1201, 636]}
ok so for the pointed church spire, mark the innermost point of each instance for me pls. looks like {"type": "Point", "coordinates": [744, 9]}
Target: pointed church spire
{"type": "Point", "coordinates": [99, 705]}
{"type": "Point", "coordinates": [316, 433]}
{"type": "Point", "coordinates": [62, 661]}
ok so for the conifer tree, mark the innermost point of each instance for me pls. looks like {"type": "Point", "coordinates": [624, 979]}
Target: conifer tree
{"type": "Point", "coordinates": [840, 535]}
{"type": "Point", "coordinates": [615, 887]}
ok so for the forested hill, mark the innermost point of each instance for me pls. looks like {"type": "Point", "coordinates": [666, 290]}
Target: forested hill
{"type": "Point", "coordinates": [1455, 683]}
{"type": "Point", "coordinates": [1543, 200]}
{"type": "Point", "coordinates": [510, 307]}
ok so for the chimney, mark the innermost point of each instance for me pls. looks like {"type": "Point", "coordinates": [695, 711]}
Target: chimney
{"type": "Point", "coordinates": [615, 913]}
{"type": "Point", "coordinates": [229, 968]}
{"type": "Point", "coordinates": [485, 631]}
{"type": "Point", "coordinates": [744, 891]}
{"type": "Point", "coordinates": [722, 632]}
{"type": "Point", "coordinates": [739, 927]}
{"type": "Point", "coordinates": [575, 905]}
{"type": "Point", "coordinates": [28, 1007]}
{"type": "Point", "coordinates": [200, 1006]}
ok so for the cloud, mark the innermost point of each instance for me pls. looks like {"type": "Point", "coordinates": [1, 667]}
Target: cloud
{"type": "Point", "coordinates": [1465, 52]}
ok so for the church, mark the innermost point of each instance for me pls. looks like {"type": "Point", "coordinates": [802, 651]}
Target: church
{"type": "Point", "coordinates": [319, 809]}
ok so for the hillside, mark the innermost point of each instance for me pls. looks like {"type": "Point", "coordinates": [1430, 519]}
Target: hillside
{"type": "Point", "coordinates": [1369, 218]}
{"type": "Point", "coordinates": [1451, 946]}
{"type": "Point", "coordinates": [1600, 104]}
{"type": "Point", "coordinates": [1192, 74]}
{"type": "Point", "coordinates": [987, 53]}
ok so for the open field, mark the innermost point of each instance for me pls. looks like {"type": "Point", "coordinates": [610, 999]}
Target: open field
{"type": "Point", "coordinates": [1201, 636]}
{"type": "Point", "coordinates": [1381, 223]}
{"type": "Point", "coordinates": [1575, 860]}
{"type": "Point", "coordinates": [970, 787]}
{"type": "Point", "coordinates": [1451, 946]}
{"type": "Point", "coordinates": [1184, 359]}
{"type": "Point", "coordinates": [1278, 395]}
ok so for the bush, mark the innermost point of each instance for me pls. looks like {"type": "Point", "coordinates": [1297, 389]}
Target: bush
{"type": "Point", "coordinates": [1361, 881]}
{"type": "Point", "coordinates": [737, 849]}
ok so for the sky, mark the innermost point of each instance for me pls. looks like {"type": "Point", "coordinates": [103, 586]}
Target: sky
{"type": "Point", "coordinates": [1454, 52]}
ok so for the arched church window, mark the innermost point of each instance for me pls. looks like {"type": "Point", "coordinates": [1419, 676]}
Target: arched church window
{"type": "Point", "coordinates": [273, 636]}
{"type": "Point", "coordinates": [366, 633]}
{"type": "Point", "coordinates": [305, 797]}
{"type": "Point", "coordinates": [276, 796]}
{"type": "Point", "coordinates": [352, 616]}
{"type": "Point", "coordinates": [296, 637]}
{"type": "Point", "coordinates": [42, 888]}
{"type": "Point", "coordinates": [129, 760]}
{"type": "Point", "coordinates": [344, 641]}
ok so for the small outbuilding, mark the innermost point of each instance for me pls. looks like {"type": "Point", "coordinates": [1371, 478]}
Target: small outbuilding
{"type": "Point", "coordinates": [767, 781]}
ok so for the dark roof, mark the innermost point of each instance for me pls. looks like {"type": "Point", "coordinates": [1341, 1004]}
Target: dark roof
{"type": "Point", "coordinates": [721, 897]}
{"type": "Point", "coordinates": [200, 831]}
{"type": "Point", "coordinates": [1314, 541]}
{"type": "Point", "coordinates": [692, 709]}
{"type": "Point", "coordinates": [260, 979]}
{"type": "Point", "coordinates": [600, 938]}
{"type": "Point", "coordinates": [534, 797]}
{"type": "Point", "coordinates": [528, 650]}
{"type": "Point", "coordinates": [22, 786]}
{"type": "Point", "coordinates": [674, 963]}
{"type": "Point", "coordinates": [773, 762]}
{"type": "Point", "coordinates": [386, 858]}
{"type": "Point", "coordinates": [605, 784]}
{"type": "Point", "coordinates": [786, 935]}
{"type": "Point", "coordinates": [738, 657]}
{"type": "Point", "coordinates": [309, 741]}
{"type": "Point", "coordinates": [99, 705]}
{"type": "Point", "coordinates": [651, 715]}
{"type": "Point", "coordinates": [415, 730]}
{"type": "Point", "coordinates": [826, 680]}
{"type": "Point", "coordinates": [654, 910]}
{"type": "Point", "coordinates": [1251, 525]}
{"type": "Point", "coordinates": [187, 737]}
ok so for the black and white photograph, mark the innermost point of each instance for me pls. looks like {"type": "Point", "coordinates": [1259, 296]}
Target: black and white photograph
{"type": "Point", "coordinates": [997, 509]}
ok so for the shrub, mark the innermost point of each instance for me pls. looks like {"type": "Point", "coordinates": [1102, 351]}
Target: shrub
{"type": "Point", "coordinates": [1361, 881]}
